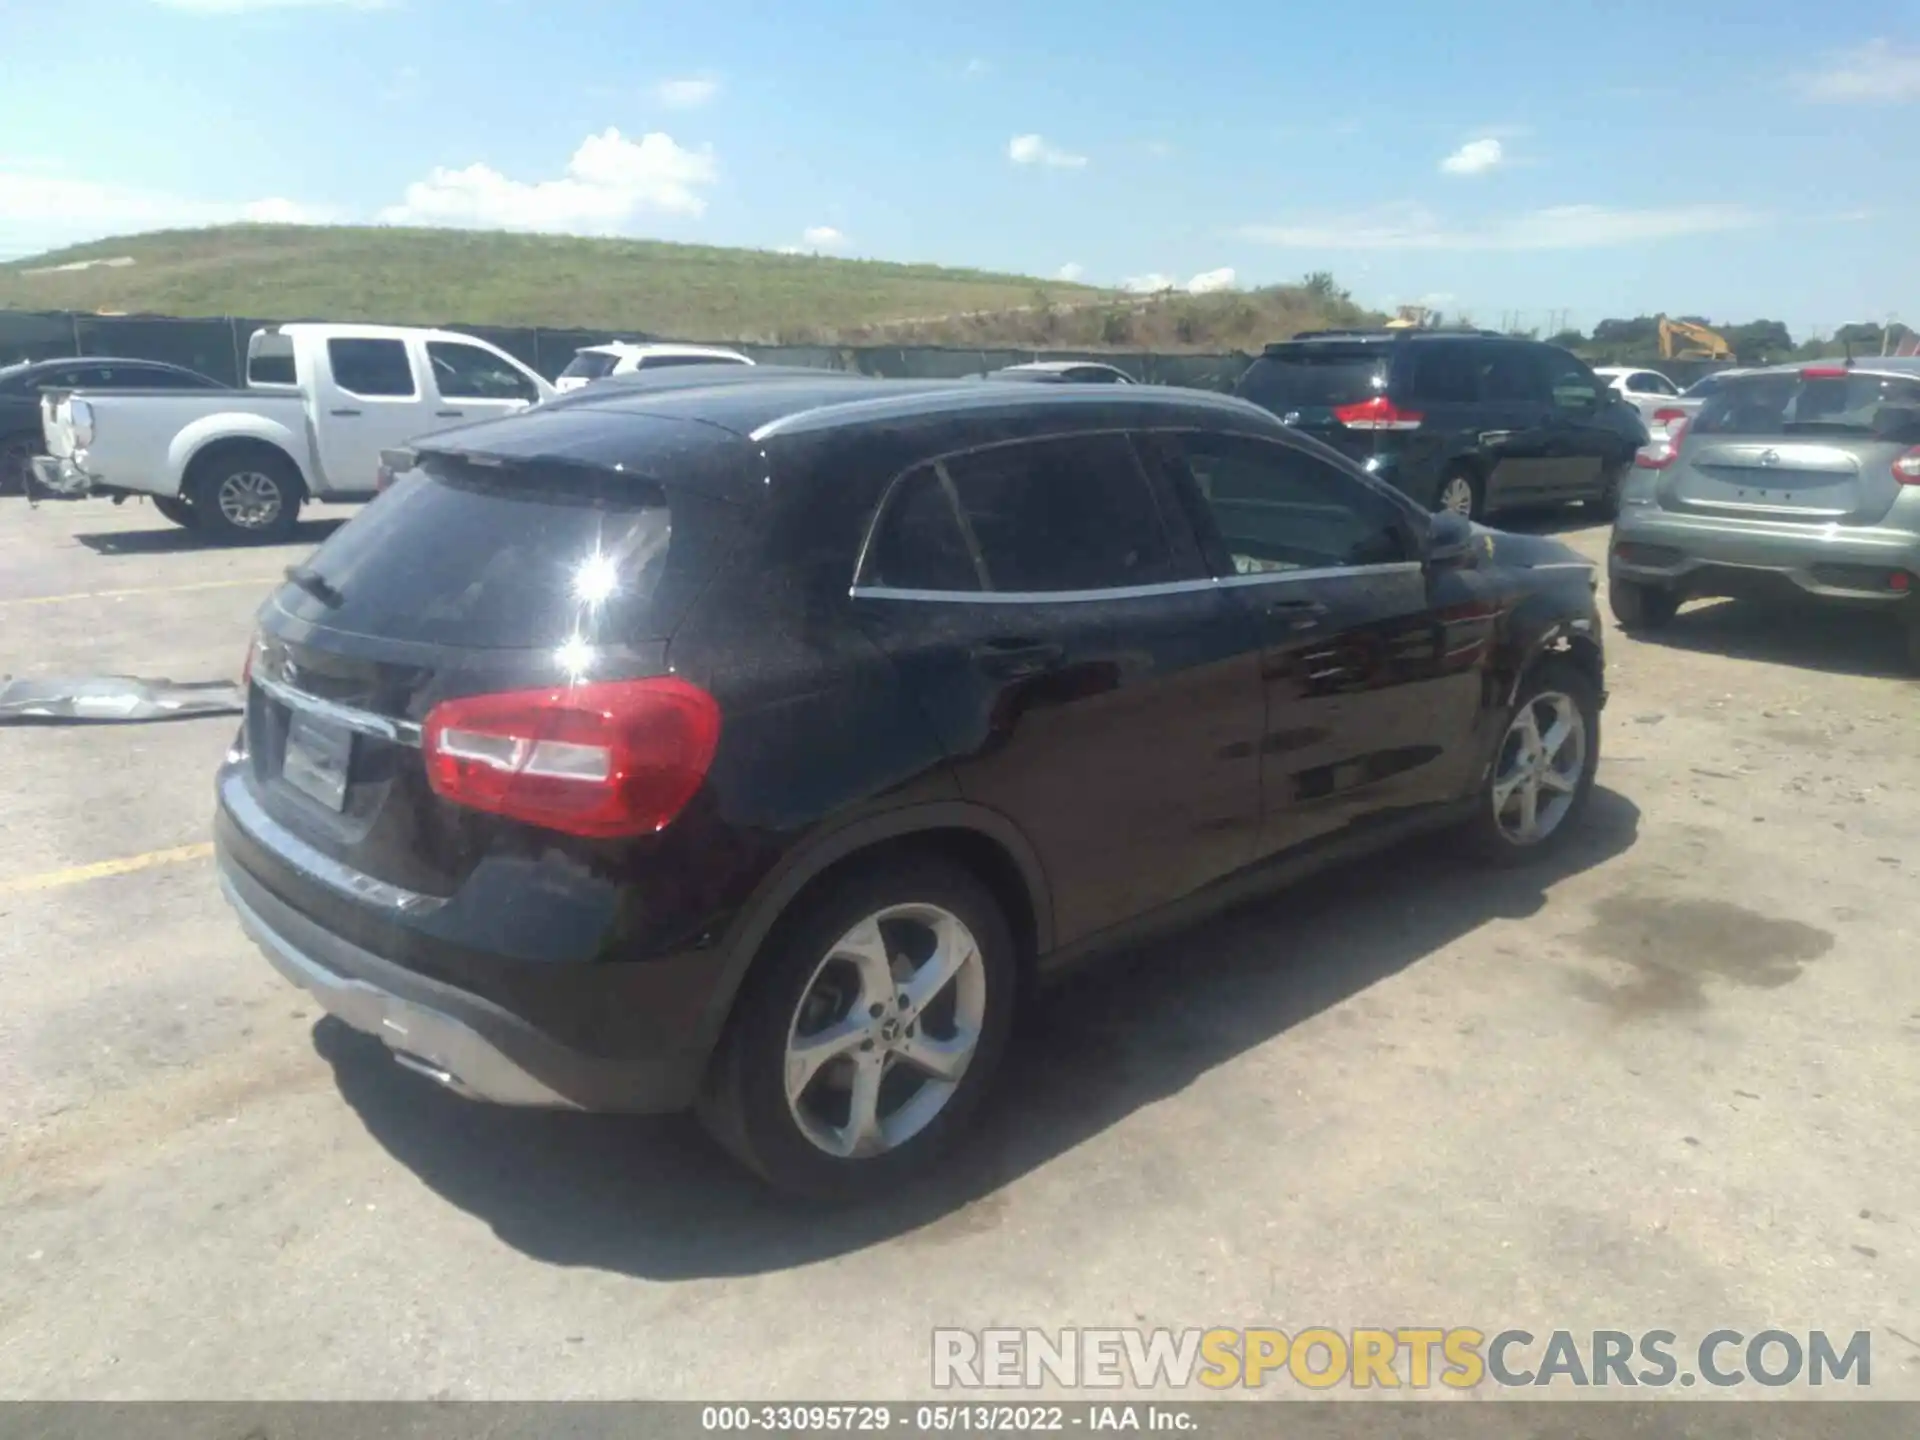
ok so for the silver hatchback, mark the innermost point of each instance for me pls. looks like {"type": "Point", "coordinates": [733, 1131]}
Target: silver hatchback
{"type": "Point", "coordinates": [1799, 477]}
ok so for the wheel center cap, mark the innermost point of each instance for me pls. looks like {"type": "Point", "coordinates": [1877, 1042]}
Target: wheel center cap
{"type": "Point", "coordinates": [889, 1030]}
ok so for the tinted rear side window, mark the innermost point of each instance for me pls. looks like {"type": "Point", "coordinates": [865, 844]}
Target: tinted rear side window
{"type": "Point", "coordinates": [590, 365]}
{"type": "Point", "coordinates": [371, 367]}
{"type": "Point", "coordinates": [656, 362]}
{"type": "Point", "coordinates": [918, 544]}
{"type": "Point", "coordinates": [1442, 373]}
{"type": "Point", "coordinates": [1068, 514]}
{"type": "Point", "coordinates": [1315, 377]}
{"type": "Point", "coordinates": [454, 557]}
{"type": "Point", "coordinates": [1874, 407]}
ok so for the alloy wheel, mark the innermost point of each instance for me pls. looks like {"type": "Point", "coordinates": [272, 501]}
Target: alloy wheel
{"type": "Point", "coordinates": [1456, 494]}
{"type": "Point", "coordinates": [249, 499]}
{"type": "Point", "coordinates": [1542, 760]}
{"type": "Point", "coordinates": [884, 1030]}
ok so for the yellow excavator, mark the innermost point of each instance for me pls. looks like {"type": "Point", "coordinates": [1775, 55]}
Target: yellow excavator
{"type": "Point", "coordinates": [1706, 345]}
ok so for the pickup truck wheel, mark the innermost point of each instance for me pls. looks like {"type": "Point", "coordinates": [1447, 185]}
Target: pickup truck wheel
{"type": "Point", "coordinates": [176, 510]}
{"type": "Point", "coordinates": [868, 1031]}
{"type": "Point", "coordinates": [247, 498]}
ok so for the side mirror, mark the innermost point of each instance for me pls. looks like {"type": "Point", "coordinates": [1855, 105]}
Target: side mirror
{"type": "Point", "coordinates": [1449, 540]}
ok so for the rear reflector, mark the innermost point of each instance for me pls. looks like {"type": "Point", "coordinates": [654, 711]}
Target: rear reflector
{"type": "Point", "coordinates": [619, 757]}
{"type": "Point", "coordinates": [1379, 413]}
{"type": "Point", "coordinates": [1907, 468]}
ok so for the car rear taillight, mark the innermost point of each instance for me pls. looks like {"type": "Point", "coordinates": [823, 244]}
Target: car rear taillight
{"type": "Point", "coordinates": [1668, 415]}
{"type": "Point", "coordinates": [1907, 468]}
{"type": "Point", "coordinates": [1379, 413]}
{"type": "Point", "coordinates": [618, 757]}
{"type": "Point", "coordinates": [1664, 451]}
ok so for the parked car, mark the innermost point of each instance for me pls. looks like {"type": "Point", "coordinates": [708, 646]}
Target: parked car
{"type": "Point", "coordinates": [22, 385]}
{"type": "Point", "coordinates": [751, 746]}
{"type": "Point", "coordinates": [1793, 479]}
{"type": "Point", "coordinates": [1463, 421]}
{"type": "Point", "coordinates": [1687, 403]}
{"type": "Point", "coordinates": [1063, 372]}
{"type": "Point", "coordinates": [321, 404]}
{"type": "Point", "coordinates": [597, 362]}
{"type": "Point", "coordinates": [1648, 391]}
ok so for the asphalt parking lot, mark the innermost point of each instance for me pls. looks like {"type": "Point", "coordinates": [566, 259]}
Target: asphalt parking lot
{"type": "Point", "coordinates": [1669, 1083]}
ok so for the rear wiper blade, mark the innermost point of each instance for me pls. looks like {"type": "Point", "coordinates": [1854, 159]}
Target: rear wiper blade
{"type": "Point", "coordinates": [316, 585]}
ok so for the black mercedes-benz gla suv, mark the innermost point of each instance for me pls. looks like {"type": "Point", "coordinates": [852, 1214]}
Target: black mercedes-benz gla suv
{"type": "Point", "coordinates": [751, 742]}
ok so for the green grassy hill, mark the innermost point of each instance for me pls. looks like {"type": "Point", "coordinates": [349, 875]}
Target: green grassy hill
{"type": "Point", "coordinates": [695, 292]}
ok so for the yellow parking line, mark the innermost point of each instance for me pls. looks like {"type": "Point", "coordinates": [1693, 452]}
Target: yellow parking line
{"type": "Point", "coordinates": [264, 583]}
{"type": "Point", "coordinates": [100, 870]}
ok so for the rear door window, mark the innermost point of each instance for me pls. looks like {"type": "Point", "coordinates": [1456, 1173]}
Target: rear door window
{"type": "Point", "coordinates": [1312, 378]}
{"type": "Point", "coordinates": [1075, 513]}
{"type": "Point", "coordinates": [378, 368]}
{"type": "Point", "coordinates": [1510, 375]}
{"type": "Point", "coordinates": [1867, 406]}
{"type": "Point", "coordinates": [464, 557]}
{"type": "Point", "coordinates": [918, 543]}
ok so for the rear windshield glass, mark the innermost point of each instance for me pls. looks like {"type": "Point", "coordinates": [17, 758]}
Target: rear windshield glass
{"type": "Point", "coordinates": [1877, 407]}
{"type": "Point", "coordinates": [459, 555]}
{"type": "Point", "coordinates": [590, 365]}
{"type": "Point", "coordinates": [1314, 377]}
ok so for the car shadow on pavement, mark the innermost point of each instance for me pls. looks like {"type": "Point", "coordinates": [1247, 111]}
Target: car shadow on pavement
{"type": "Point", "coordinates": [171, 539]}
{"type": "Point", "coordinates": [1812, 637]}
{"type": "Point", "coordinates": [1546, 520]}
{"type": "Point", "coordinates": [652, 1197]}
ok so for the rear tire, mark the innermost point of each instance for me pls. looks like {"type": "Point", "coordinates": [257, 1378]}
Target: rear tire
{"type": "Point", "coordinates": [16, 458]}
{"type": "Point", "coordinates": [1606, 505]}
{"type": "Point", "coordinates": [248, 497]}
{"type": "Point", "coordinates": [1641, 607]}
{"type": "Point", "coordinates": [1542, 774]}
{"type": "Point", "coordinates": [177, 510]}
{"type": "Point", "coordinates": [1462, 492]}
{"type": "Point", "coordinates": [847, 953]}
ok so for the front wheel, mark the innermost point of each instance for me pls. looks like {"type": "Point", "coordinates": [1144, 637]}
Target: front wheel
{"type": "Point", "coordinates": [1542, 774]}
{"type": "Point", "coordinates": [250, 498]}
{"type": "Point", "coordinates": [868, 1032]}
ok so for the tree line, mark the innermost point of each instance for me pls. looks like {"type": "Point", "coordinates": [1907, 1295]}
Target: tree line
{"type": "Point", "coordinates": [1755, 342]}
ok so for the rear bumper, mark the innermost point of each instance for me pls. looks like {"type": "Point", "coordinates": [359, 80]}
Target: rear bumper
{"type": "Point", "coordinates": [1720, 557]}
{"type": "Point", "coordinates": [60, 478]}
{"type": "Point", "coordinates": [595, 1034]}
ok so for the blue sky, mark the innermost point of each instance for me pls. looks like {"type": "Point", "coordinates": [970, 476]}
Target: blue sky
{"type": "Point", "coordinates": [1490, 157]}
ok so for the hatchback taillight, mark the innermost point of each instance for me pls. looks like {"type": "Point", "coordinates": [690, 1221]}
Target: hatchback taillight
{"type": "Point", "coordinates": [1664, 451]}
{"type": "Point", "coordinates": [1907, 468]}
{"type": "Point", "coordinates": [1379, 413]}
{"type": "Point", "coordinates": [1667, 415]}
{"type": "Point", "coordinates": [618, 757]}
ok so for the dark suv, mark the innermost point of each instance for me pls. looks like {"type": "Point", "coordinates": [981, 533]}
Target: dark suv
{"type": "Point", "coordinates": [1460, 421]}
{"type": "Point", "coordinates": [751, 743]}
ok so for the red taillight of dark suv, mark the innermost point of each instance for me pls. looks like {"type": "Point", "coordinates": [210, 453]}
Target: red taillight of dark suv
{"type": "Point", "coordinates": [601, 760]}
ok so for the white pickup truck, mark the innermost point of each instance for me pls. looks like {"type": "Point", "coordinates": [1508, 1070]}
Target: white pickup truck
{"type": "Point", "coordinates": [320, 405]}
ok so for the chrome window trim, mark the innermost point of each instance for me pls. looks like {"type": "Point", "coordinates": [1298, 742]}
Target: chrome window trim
{"type": "Point", "coordinates": [364, 722]}
{"type": "Point", "coordinates": [1129, 592]}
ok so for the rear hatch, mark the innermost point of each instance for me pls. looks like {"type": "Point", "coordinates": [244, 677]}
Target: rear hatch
{"type": "Point", "coordinates": [465, 579]}
{"type": "Point", "coordinates": [1335, 390]}
{"type": "Point", "coordinates": [1815, 445]}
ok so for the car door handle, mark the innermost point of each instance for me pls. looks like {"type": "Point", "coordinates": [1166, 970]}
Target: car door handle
{"type": "Point", "coordinates": [448, 414]}
{"type": "Point", "coordinates": [1299, 614]}
{"type": "Point", "coordinates": [343, 414]}
{"type": "Point", "coordinates": [1016, 659]}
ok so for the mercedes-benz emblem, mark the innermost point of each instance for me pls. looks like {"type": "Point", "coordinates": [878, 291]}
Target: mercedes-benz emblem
{"type": "Point", "coordinates": [1769, 457]}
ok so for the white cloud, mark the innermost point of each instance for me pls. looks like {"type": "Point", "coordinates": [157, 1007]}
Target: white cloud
{"type": "Point", "coordinates": [1072, 270]}
{"type": "Point", "coordinates": [1558, 227]}
{"type": "Point", "coordinates": [975, 68]}
{"type": "Point", "coordinates": [1877, 72]}
{"type": "Point", "coordinates": [823, 237]}
{"type": "Point", "coordinates": [1149, 284]}
{"type": "Point", "coordinates": [1207, 282]}
{"type": "Point", "coordinates": [609, 183]}
{"type": "Point", "coordinates": [41, 209]}
{"type": "Point", "coordinates": [1033, 150]}
{"type": "Point", "coordinates": [688, 94]}
{"type": "Point", "coordinates": [1476, 157]}
{"type": "Point", "coordinates": [1159, 149]}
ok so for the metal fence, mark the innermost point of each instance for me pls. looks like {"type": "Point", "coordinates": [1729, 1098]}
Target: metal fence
{"type": "Point", "coordinates": [217, 347]}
